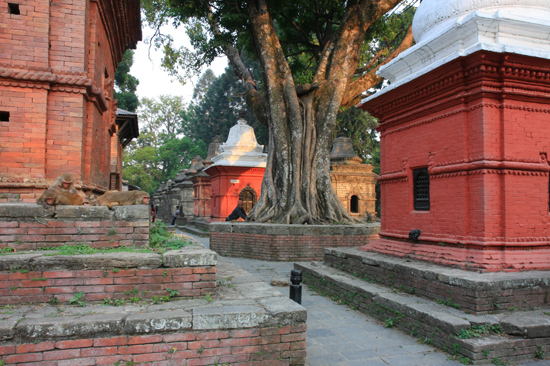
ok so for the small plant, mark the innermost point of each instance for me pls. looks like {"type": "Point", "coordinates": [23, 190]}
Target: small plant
{"type": "Point", "coordinates": [114, 302]}
{"type": "Point", "coordinates": [172, 351]}
{"type": "Point", "coordinates": [412, 291]}
{"type": "Point", "coordinates": [15, 269]}
{"type": "Point", "coordinates": [134, 299]}
{"type": "Point", "coordinates": [39, 279]}
{"type": "Point", "coordinates": [53, 301]}
{"type": "Point", "coordinates": [81, 231]}
{"type": "Point", "coordinates": [539, 353]}
{"type": "Point", "coordinates": [200, 350]}
{"type": "Point", "coordinates": [498, 361]}
{"type": "Point", "coordinates": [164, 273]}
{"type": "Point", "coordinates": [456, 349]}
{"type": "Point", "coordinates": [7, 250]}
{"type": "Point", "coordinates": [449, 302]}
{"type": "Point", "coordinates": [24, 271]}
{"type": "Point", "coordinates": [133, 292]}
{"type": "Point", "coordinates": [388, 323]}
{"type": "Point", "coordinates": [172, 293]}
{"type": "Point", "coordinates": [111, 231]}
{"type": "Point", "coordinates": [76, 299]}
{"type": "Point", "coordinates": [115, 270]}
{"type": "Point", "coordinates": [486, 352]}
{"type": "Point", "coordinates": [14, 288]}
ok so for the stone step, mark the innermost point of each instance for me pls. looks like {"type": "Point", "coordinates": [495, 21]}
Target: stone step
{"type": "Point", "coordinates": [194, 230]}
{"type": "Point", "coordinates": [509, 336]}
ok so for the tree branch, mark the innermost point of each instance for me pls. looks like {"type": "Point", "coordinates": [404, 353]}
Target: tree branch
{"type": "Point", "coordinates": [370, 79]}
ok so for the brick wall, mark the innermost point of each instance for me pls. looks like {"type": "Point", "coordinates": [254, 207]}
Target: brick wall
{"type": "Point", "coordinates": [18, 286]}
{"type": "Point", "coordinates": [487, 158]}
{"type": "Point", "coordinates": [47, 234]}
{"type": "Point", "coordinates": [286, 242]}
{"type": "Point", "coordinates": [273, 346]}
{"type": "Point", "coordinates": [57, 61]}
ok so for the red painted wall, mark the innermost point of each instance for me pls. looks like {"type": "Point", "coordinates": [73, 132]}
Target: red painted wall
{"type": "Point", "coordinates": [224, 193]}
{"type": "Point", "coordinates": [479, 124]}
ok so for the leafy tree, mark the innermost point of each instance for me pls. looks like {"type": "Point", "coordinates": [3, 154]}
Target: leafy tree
{"type": "Point", "coordinates": [126, 84]}
{"type": "Point", "coordinates": [219, 108]}
{"type": "Point", "coordinates": [359, 126]}
{"type": "Point", "coordinates": [163, 117]}
{"type": "Point", "coordinates": [313, 60]}
{"type": "Point", "coordinates": [160, 151]}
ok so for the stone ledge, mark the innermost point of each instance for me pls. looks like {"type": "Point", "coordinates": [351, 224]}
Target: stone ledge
{"type": "Point", "coordinates": [277, 242]}
{"type": "Point", "coordinates": [34, 212]}
{"type": "Point", "coordinates": [472, 291]}
{"type": "Point", "coordinates": [523, 332]}
{"type": "Point", "coordinates": [295, 230]}
{"type": "Point", "coordinates": [249, 303]}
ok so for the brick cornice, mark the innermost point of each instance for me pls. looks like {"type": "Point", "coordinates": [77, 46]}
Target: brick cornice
{"type": "Point", "coordinates": [51, 79]}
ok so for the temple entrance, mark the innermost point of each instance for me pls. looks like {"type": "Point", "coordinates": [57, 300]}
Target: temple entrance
{"type": "Point", "coordinates": [249, 197]}
{"type": "Point", "coordinates": [354, 204]}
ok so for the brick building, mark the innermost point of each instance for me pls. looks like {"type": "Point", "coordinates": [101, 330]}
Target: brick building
{"type": "Point", "coordinates": [57, 111]}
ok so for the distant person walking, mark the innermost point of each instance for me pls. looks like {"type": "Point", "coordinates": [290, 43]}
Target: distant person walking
{"type": "Point", "coordinates": [237, 212]}
{"type": "Point", "coordinates": [153, 213]}
{"type": "Point", "coordinates": [176, 215]}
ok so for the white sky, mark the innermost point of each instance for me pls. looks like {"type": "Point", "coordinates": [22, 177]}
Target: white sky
{"type": "Point", "coordinates": [153, 80]}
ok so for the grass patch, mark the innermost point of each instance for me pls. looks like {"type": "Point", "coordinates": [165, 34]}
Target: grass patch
{"type": "Point", "coordinates": [161, 240]}
{"type": "Point", "coordinates": [80, 249]}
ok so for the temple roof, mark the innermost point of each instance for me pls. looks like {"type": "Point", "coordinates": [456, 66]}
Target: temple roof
{"type": "Point", "coordinates": [342, 151]}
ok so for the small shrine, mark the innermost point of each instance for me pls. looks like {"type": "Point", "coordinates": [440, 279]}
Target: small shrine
{"type": "Point", "coordinates": [353, 182]}
{"type": "Point", "coordinates": [236, 172]}
{"type": "Point", "coordinates": [465, 139]}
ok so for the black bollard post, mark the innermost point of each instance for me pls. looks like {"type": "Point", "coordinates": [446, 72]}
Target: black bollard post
{"type": "Point", "coordinates": [295, 285]}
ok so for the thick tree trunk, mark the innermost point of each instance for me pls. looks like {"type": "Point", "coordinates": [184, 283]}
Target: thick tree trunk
{"type": "Point", "coordinates": [297, 187]}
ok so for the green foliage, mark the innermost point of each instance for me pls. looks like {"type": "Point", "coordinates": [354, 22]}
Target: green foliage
{"type": "Point", "coordinates": [161, 150]}
{"type": "Point", "coordinates": [172, 293]}
{"type": "Point", "coordinates": [498, 361]}
{"type": "Point", "coordinates": [477, 331]}
{"type": "Point", "coordinates": [450, 302]}
{"type": "Point", "coordinates": [218, 108]}
{"type": "Point", "coordinates": [80, 249]}
{"type": "Point", "coordinates": [76, 299]}
{"type": "Point", "coordinates": [539, 353]}
{"type": "Point", "coordinates": [160, 238]}
{"type": "Point", "coordinates": [126, 84]}
{"type": "Point", "coordinates": [114, 302]}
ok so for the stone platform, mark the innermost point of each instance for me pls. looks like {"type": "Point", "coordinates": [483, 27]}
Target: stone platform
{"type": "Point", "coordinates": [247, 323]}
{"type": "Point", "coordinates": [278, 242]}
{"type": "Point", "coordinates": [425, 301]}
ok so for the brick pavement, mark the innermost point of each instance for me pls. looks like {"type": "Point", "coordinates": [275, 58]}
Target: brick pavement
{"type": "Point", "coordinates": [340, 336]}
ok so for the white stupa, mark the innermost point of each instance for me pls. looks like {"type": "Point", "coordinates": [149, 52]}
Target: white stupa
{"type": "Point", "coordinates": [447, 29]}
{"type": "Point", "coordinates": [241, 148]}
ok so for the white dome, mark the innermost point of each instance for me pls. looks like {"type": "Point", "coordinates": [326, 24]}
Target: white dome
{"type": "Point", "coordinates": [433, 14]}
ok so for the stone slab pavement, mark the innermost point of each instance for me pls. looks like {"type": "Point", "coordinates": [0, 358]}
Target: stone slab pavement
{"type": "Point", "coordinates": [340, 336]}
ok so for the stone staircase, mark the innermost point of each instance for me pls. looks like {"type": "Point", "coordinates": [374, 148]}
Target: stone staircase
{"type": "Point", "coordinates": [448, 310]}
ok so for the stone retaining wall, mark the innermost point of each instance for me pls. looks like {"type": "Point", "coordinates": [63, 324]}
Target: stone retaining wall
{"type": "Point", "coordinates": [478, 293]}
{"type": "Point", "coordinates": [25, 226]}
{"type": "Point", "coordinates": [278, 242]}
{"type": "Point", "coordinates": [32, 278]}
{"type": "Point", "coordinates": [248, 324]}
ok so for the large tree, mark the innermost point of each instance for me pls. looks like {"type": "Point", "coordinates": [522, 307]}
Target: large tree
{"type": "Point", "coordinates": [314, 59]}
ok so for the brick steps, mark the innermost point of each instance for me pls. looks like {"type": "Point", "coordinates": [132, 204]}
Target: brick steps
{"type": "Point", "coordinates": [522, 334]}
{"type": "Point", "coordinates": [248, 324]}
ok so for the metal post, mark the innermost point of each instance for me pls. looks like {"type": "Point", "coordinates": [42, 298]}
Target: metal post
{"type": "Point", "coordinates": [295, 286]}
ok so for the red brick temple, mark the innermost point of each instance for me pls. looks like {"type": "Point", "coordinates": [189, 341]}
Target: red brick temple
{"type": "Point", "coordinates": [57, 111]}
{"type": "Point", "coordinates": [237, 172]}
{"type": "Point", "coordinates": [465, 138]}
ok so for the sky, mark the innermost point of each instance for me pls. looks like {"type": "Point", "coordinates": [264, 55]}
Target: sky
{"type": "Point", "coordinates": [153, 80]}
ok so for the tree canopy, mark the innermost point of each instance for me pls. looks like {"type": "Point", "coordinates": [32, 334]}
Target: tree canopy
{"type": "Point", "coordinates": [126, 84]}
{"type": "Point", "coordinates": [315, 56]}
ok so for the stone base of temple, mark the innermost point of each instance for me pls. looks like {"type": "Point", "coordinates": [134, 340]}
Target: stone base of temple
{"type": "Point", "coordinates": [511, 258]}
{"type": "Point", "coordinates": [471, 315]}
{"type": "Point", "coordinates": [278, 242]}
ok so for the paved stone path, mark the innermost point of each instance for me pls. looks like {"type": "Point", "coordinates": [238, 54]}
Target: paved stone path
{"type": "Point", "coordinates": [339, 336]}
